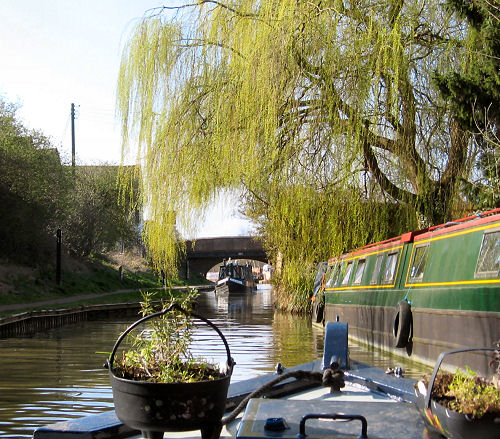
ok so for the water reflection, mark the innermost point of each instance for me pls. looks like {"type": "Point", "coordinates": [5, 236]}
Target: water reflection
{"type": "Point", "coordinates": [258, 336]}
{"type": "Point", "coordinates": [58, 375]}
{"type": "Point", "coordinates": [53, 376]}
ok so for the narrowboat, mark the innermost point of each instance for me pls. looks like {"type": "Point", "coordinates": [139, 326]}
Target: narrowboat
{"type": "Point", "coordinates": [235, 278]}
{"type": "Point", "coordinates": [420, 293]}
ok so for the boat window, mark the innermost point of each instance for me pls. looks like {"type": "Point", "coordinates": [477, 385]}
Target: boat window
{"type": "Point", "coordinates": [332, 275]}
{"type": "Point", "coordinates": [322, 271]}
{"type": "Point", "coordinates": [376, 270]}
{"type": "Point", "coordinates": [488, 262]}
{"type": "Point", "coordinates": [359, 272]}
{"type": "Point", "coordinates": [418, 264]}
{"type": "Point", "coordinates": [390, 268]}
{"type": "Point", "coordinates": [237, 272]}
{"type": "Point", "coordinates": [347, 273]}
{"type": "Point", "coordinates": [222, 271]}
{"type": "Point", "coordinates": [326, 274]}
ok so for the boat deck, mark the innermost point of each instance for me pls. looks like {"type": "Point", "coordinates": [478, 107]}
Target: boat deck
{"type": "Point", "coordinates": [384, 400]}
{"type": "Point", "coordinates": [386, 417]}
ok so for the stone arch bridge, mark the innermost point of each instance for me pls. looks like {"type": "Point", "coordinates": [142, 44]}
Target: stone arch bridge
{"type": "Point", "coordinates": [202, 254]}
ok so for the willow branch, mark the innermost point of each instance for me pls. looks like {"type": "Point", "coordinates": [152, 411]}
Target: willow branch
{"type": "Point", "coordinates": [214, 2]}
{"type": "Point", "coordinates": [386, 185]}
{"type": "Point", "coordinates": [192, 42]}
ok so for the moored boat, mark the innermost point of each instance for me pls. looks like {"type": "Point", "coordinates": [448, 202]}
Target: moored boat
{"type": "Point", "coordinates": [421, 293]}
{"type": "Point", "coordinates": [234, 278]}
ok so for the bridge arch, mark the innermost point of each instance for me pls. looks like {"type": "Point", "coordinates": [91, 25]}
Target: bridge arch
{"type": "Point", "coordinates": [202, 254]}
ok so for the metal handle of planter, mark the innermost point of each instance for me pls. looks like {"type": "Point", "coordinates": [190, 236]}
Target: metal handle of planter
{"type": "Point", "coordinates": [438, 365]}
{"type": "Point", "coordinates": [173, 306]}
{"type": "Point", "coordinates": [335, 416]}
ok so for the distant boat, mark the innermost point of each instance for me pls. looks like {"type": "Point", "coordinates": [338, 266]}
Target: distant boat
{"type": "Point", "coordinates": [235, 278]}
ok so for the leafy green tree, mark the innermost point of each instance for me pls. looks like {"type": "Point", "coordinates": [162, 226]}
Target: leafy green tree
{"type": "Point", "coordinates": [33, 188]}
{"type": "Point", "coordinates": [297, 104]}
{"type": "Point", "coordinates": [96, 220]}
{"type": "Point", "coordinates": [474, 94]}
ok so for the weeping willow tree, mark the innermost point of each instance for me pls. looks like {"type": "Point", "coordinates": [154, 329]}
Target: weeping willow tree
{"type": "Point", "coordinates": [321, 114]}
{"type": "Point", "coordinates": [474, 94]}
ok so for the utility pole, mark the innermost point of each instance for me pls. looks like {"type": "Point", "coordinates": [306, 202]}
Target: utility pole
{"type": "Point", "coordinates": [73, 160]}
{"type": "Point", "coordinates": [58, 257]}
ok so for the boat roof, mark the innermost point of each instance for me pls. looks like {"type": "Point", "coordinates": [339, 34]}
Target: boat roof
{"type": "Point", "coordinates": [473, 221]}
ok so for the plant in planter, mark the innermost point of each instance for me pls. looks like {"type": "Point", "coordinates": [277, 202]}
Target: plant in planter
{"type": "Point", "coordinates": [158, 385]}
{"type": "Point", "coordinates": [461, 404]}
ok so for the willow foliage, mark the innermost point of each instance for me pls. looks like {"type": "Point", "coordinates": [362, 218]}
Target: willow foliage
{"type": "Point", "coordinates": [322, 113]}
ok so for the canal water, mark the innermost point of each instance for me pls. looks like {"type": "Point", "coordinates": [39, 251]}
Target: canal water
{"type": "Point", "coordinates": [58, 375]}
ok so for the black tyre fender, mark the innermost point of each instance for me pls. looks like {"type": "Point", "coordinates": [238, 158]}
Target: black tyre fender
{"type": "Point", "coordinates": [403, 324]}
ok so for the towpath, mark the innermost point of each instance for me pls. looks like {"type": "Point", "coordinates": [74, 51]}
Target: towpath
{"type": "Point", "coordinates": [80, 298]}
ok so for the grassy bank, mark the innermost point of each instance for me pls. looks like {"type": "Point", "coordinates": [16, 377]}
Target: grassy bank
{"type": "Point", "coordinates": [96, 277]}
{"type": "Point", "coordinates": [26, 284]}
{"type": "Point", "coordinates": [93, 276]}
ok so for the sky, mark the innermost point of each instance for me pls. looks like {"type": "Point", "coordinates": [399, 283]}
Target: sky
{"type": "Point", "coordinates": [57, 52]}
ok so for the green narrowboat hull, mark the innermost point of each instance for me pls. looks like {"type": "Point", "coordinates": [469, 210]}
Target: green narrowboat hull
{"type": "Point", "coordinates": [447, 276]}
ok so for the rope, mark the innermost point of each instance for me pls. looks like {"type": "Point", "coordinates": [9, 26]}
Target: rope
{"type": "Point", "coordinates": [298, 374]}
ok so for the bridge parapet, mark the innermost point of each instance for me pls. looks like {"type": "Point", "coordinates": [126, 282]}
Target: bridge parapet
{"type": "Point", "coordinates": [202, 254]}
{"type": "Point", "coordinates": [232, 246]}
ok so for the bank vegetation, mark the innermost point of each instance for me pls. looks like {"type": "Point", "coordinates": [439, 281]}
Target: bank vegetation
{"type": "Point", "coordinates": [39, 194]}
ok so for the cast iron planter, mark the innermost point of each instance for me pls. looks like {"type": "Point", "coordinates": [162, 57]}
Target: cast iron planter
{"type": "Point", "coordinates": [155, 408]}
{"type": "Point", "coordinates": [450, 423]}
